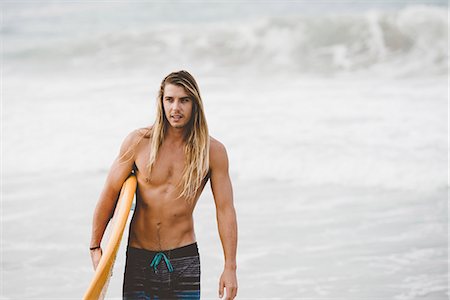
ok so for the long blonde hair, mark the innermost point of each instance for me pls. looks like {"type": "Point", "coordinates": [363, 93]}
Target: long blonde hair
{"type": "Point", "coordinates": [196, 138]}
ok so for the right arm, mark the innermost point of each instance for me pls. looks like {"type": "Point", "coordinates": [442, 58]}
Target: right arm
{"type": "Point", "coordinates": [104, 210]}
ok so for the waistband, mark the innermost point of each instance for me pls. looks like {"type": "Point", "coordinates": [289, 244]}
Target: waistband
{"type": "Point", "coordinates": [184, 251]}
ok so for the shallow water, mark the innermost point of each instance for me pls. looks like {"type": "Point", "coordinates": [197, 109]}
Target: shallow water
{"type": "Point", "coordinates": [353, 209]}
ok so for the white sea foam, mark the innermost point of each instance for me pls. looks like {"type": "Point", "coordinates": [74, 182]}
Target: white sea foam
{"type": "Point", "coordinates": [386, 42]}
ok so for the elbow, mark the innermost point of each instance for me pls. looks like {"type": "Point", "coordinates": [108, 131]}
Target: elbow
{"type": "Point", "coordinates": [226, 211]}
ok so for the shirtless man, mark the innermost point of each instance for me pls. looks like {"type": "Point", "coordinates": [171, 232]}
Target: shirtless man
{"type": "Point", "coordinates": [173, 160]}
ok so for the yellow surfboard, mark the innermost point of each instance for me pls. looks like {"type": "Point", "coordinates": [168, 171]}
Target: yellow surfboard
{"type": "Point", "coordinates": [99, 283]}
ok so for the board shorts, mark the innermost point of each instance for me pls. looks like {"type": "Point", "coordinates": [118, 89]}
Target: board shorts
{"type": "Point", "coordinates": [168, 274]}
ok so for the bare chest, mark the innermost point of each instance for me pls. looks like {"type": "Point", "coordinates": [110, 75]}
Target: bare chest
{"type": "Point", "coordinates": [167, 169]}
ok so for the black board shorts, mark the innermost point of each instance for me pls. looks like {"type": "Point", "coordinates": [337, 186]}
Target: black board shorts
{"type": "Point", "coordinates": [168, 274]}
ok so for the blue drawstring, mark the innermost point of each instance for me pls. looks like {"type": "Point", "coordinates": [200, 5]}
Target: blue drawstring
{"type": "Point", "coordinates": [157, 259]}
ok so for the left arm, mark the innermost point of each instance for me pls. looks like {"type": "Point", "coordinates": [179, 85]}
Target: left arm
{"type": "Point", "coordinates": [226, 216]}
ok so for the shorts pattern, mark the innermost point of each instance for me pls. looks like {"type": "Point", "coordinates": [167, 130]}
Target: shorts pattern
{"type": "Point", "coordinates": [142, 281]}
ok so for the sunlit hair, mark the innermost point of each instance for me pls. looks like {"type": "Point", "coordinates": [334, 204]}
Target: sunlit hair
{"type": "Point", "coordinates": [196, 136]}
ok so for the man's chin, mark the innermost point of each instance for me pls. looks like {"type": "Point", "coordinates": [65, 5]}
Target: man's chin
{"type": "Point", "coordinates": [178, 125]}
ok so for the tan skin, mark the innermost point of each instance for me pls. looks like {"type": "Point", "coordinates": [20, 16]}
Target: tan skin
{"type": "Point", "coordinates": [161, 221]}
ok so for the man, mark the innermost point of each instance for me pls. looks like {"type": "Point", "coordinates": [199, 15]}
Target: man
{"type": "Point", "coordinates": [173, 160]}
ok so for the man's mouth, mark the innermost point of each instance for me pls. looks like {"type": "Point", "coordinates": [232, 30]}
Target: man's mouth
{"type": "Point", "coordinates": [176, 117]}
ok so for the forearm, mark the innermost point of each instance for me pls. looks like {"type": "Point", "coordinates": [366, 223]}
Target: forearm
{"type": "Point", "coordinates": [102, 214]}
{"type": "Point", "coordinates": [227, 225]}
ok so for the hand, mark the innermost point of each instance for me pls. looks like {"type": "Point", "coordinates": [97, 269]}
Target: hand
{"type": "Point", "coordinates": [96, 254]}
{"type": "Point", "coordinates": [228, 280]}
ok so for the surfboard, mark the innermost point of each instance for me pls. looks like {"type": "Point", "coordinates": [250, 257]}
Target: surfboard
{"type": "Point", "coordinates": [99, 283]}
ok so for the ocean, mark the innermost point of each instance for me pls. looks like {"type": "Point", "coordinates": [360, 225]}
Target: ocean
{"type": "Point", "coordinates": [334, 115]}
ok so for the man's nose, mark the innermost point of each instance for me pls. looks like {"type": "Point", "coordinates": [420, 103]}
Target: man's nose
{"type": "Point", "coordinates": [176, 105]}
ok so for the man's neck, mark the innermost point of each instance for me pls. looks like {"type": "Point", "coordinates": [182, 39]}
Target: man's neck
{"type": "Point", "coordinates": [175, 136]}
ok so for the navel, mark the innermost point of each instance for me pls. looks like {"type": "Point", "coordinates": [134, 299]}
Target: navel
{"type": "Point", "coordinates": [170, 172]}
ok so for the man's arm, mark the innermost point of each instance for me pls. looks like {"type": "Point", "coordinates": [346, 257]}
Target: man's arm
{"type": "Point", "coordinates": [118, 172]}
{"type": "Point", "coordinates": [226, 216]}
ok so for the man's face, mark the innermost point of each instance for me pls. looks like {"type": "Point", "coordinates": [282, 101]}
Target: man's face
{"type": "Point", "coordinates": [177, 105]}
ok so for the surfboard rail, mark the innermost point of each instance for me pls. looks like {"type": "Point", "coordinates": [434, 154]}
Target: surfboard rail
{"type": "Point", "coordinates": [98, 285]}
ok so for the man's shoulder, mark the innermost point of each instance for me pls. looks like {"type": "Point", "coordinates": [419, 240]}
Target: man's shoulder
{"type": "Point", "coordinates": [143, 132]}
{"type": "Point", "coordinates": [217, 151]}
{"type": "Point", "coordinates": [139, 133]}
{"type": "Point", "coordinates": [136, 136]}
{"type": "Point", "coordinates": [215, 145]}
